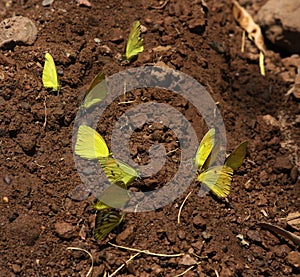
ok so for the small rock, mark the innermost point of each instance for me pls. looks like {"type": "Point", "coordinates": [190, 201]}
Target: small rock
{"type": "Point", "coordinates": [226, 272]}
{"type": "Point", "coordinates": [283, 163]}
{"type": "Point", "coordinates": [292, 61]}
{"type": "Point", "coordinates": [282, 251]}
{"type": "Point", "coordinates": [270, 120]}
{"type": "Point", "coordinates": [171, 235]}
{"type": "Point", "coordinates": [28, 143]}
{"type": "Point", "coordinates": [197, 25]}
{"type": "Point", "coordinates": [198, 246]}
{"type": "Point", "coordinates": [281, 22]}
{"type": "Point", "coordinates": [126, 236]}
{"type": "Point", "coordinates": [54, 208]}
{"type": "Point", "coordinates": [161, 48]}
{"type": "Point", "coordinates": [110, 258]}
{"type": "Point", "coordinates": [199, 222]}
{"type": "Point", "coordinates": [84, 3]}
{"type": "Point", "coordinates": [82, 232]}
{"type": "Point", "coordinates": [181, 234]}
{"type": "Point", "coordinates": [243, 241]}
{"type": "Point", "coordinates": [262, 201]}
{"type": "Point", "coordinates": [116, 36]}
{"type": "Point", "coordinates": [46, 3]}
{"type": "Point", "coordinates": [16, 268]}
{"type": "Point", "coordinates": [65, 230]}
{"type": "Point", "coordinates": [5, 199]}
{"type": "Point", "coordinates": [286, 77]}
{"type": "Point", "coordinates": [254, 236]}
{"type": "Point", "coordinates": [13, 217]}
{"type": "Point", "coordinates": [144, 29]}
{"type": "Point", "coordinates": [17, 29]}
{"type": "Point", "coordinates": [105, 50]}
{"type": "Point", "coordinates": [187, 260]}
{"type": "Point", "coordinates": [206, 236]}
{"type": "Point", "coordinates": [293, 258]}
{"type": "Point", "coordinates": [293, 220]}
{"type": "Point", "coordinates": [156, 269]}
{"type": "Point", "coordinates": [7, 179]}
{"type": "Point", "coordinates": [27, 228]}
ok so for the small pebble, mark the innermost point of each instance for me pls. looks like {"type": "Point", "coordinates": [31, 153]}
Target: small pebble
{"type": "Point", "coordinates": [187, 260]}
{"type": "Point", "coordinates": [7, 179]}
{"type": "Point", "coordinates": [144, 29]}
{"type": "Point", "coordinates": [206, 236]}
{"type": "Point", "coordinates": [65, 230]}
{"type": "Point", "coordinates": [47, 2]}
{"type": "Point", "coordinates": [294, 174]}
{"type": "Point", "coordinates": [293, 258]}
{"type": "Point", "coordinates": [5, 199]}
{"type": "Point", "coordinates": [16, 268]}
{"type": "Point", "coordinates": [199, 222]}
{"type": "Point", "coordinates": [13, 217]}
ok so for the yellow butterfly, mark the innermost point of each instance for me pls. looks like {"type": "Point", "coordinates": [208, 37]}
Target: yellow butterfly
{"type": "Point", "coordinates": [50, 78]}
{"type": "Point", "coordinates": [217, 178]}
{"type": "Point", "coordinates": [96, 92]}
{"type": "Point", "coordinates": [134, 44]}
{"type": "Point", "coordinates": [91, 145]}
{"type": "Point", "coordinates": [106, 221]}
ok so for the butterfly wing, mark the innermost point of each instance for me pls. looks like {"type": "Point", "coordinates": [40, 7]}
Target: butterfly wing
{"type": "Point", "coordinates": [106, 221]}
{"type": "Point", "coordinates": [96, 92]}
{"type": "Point", "coordinates": [134, 44]}
{"type": "Point", "coordinates": [213, 154]}
{"type": "Point", "coordinates": [50, 78]}
{"type": "Point", "coordinates": [237, 157]}
{"type": "Point", "coordinates": [90, 145]}
{"type": "Point", "coordinates": [98, 206]}
{"type": "Point", "coordinates": [217, 179]}
{"type": "Point", "coordinates": [129, 173]}
{"type": "Point", "coordinates": [117, 171]}
{"type": "Point", "coordinates": [114, 196]}
{"type": "Point", "coordinates": [205, 148]}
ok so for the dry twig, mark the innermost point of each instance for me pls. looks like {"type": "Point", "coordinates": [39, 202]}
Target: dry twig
{"type": "Point", "coordinates": [147, 252]}
{"type": "Point", "coordinates": [80, 249]}
{"type": "Point", "coordinates": [45, 111]}
{"type": "Point", "coordinates": [181, 206]}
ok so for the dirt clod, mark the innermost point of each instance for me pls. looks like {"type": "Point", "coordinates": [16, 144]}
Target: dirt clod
{"type": "Point", "coordinates": [293, 259]}
{"type": "Point", "coordinates": [65, 230]}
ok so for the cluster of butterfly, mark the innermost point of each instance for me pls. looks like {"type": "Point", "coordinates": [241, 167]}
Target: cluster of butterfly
{"type": "Point", "coordinates": [91, 145]}
{"type": "Point", "coordinates": [217, 178]}
{"type": "Point", "coordinates": [134, 46]}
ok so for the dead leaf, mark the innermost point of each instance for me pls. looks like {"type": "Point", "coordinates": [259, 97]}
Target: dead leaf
{"type": "Point", "coordinates": [279, 231]}
{"type": "Point", "coordinates": [247, 23]}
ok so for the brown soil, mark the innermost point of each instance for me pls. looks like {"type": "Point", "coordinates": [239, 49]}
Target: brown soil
{"type": "Point", "coordinates": [37, 166]}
